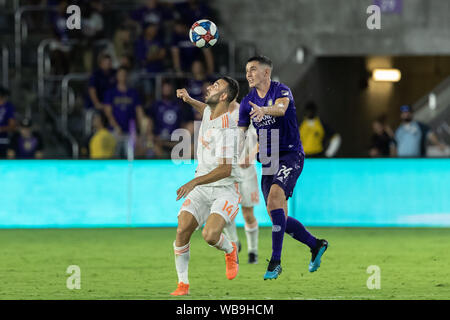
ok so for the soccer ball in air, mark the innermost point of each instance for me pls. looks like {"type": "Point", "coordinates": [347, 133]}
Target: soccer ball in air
{"type": "Point", "coordinates": [203, 33]}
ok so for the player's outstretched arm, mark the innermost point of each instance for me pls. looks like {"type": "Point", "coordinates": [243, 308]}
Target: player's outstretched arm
{"type": "Point", "coordinates": [222, 171]}
{"type": "Point", "coordinates": [197, 105]}
{"type": "Point", "coordinates": [277, 110]}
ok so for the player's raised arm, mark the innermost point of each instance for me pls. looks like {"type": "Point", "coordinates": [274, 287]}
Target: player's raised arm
{"type": "Point", "coordinates": [197, 105]}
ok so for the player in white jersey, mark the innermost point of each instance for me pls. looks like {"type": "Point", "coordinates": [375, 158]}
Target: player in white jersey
{"type": "Point", "coordinates": [212, 197]}
{"type": "Point", "coordinates": [248, 188]}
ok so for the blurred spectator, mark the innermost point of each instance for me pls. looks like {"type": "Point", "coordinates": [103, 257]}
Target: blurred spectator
{"type": "Point", "coordinates": [382, 141]}
{"type": "Point", "coordinates": [123, 106]}
{"type": "Point", "coordinates": [26, 143]}
{"type": "Point", "coordinates": [184, 52]}
{"type": "Point", "coordinates": [102, 144]}
{"type": "Point", "coordinates": [61, 49]}
{"type": "Point", "coordinates": [133, 75]}
{"type": "Point", "coordinates": [101, 80]}
{"type": "Point", "coordinates": [193, 10]}
{"type": "Point", "coordinates": [7, 120]}
{"type": "Point", "coordinates": [123, 42]}
{"type": "Point", "coordinates": [91, 30]}
{"type": "Point", "coordinates": [146, 147]}
{"type": "Point", "coordinates": [195, 83]}
{"type": "Point", "coordinates": [149, 51]}
{"type": "Point", "coordinates": [150, 54]}
{"type": "Point", "coordinates": [317, 137]}
{"type": "Point", "coordinates": [151, 13]}
{"type": "Point", "coordinates": [167, 115]}
{"type": "Point", "coordinates": [412, 136]}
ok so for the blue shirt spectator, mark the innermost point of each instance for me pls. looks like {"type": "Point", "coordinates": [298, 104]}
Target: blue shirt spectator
{"type": "Point", "coordinates": [412, 136]}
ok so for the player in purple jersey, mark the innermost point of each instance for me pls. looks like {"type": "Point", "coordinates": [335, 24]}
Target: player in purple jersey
{"type": "Point", "coordinates": [270, 106]}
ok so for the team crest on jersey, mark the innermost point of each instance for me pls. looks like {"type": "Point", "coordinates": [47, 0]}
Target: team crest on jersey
{"type": "Point", "coordinates": [270, 102]}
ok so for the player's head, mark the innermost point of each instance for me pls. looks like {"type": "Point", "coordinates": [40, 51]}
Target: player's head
{"type": "Point", "coordinates": [225, 89]}
{"type": "Point", "coordinates": [258, 70]}
{"type": "Point", "coordinates": [405, 113]}
{"type": "Point", "coordinates": [310, 110]}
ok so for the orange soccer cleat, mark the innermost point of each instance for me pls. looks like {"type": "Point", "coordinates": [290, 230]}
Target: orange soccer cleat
{"type": "Point", "coordinates": [232, 263]}
{"type": "Point", "coordinates": [182, 289]}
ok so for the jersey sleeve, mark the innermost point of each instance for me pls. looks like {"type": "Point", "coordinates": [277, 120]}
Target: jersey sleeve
{"type": "Point", "coordinates": [226, 143]}
{"type": "Point", "coordinates": [244, 113]}
{"type": "Point", "coordinates": [283, 91]}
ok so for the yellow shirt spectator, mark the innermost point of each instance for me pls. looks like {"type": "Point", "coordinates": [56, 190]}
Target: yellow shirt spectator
{"type": "Point", "coordinates": [102, 145]}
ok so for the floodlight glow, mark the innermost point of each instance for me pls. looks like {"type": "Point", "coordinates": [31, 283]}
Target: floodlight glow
{"type": "Point", "coordinates": [390, 75]}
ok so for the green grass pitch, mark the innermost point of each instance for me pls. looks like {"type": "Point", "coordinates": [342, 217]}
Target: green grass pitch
{"type": "Point", "coordinates": [135, 263]}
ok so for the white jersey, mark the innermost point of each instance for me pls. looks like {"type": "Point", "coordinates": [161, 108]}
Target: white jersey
{"type": "Point", "coordinates": [251, 141]}
{"type": "Point", "coordinates": [218, 138]}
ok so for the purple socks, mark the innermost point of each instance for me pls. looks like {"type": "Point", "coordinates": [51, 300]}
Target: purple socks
{"type": "Point", "coordinates": [278, 229]}
{"type": "Point", "coordinates": [295, 229]}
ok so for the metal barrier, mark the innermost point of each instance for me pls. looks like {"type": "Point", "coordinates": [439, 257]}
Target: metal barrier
{"type": "Point", "coordinates": [5, 66]}
{"type": "Point", "coordinates": [20, 27]}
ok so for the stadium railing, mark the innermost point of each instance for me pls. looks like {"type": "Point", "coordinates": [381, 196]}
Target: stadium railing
{"type": "Point", "coordinates": [21, 30]}
{"type": "Point", "coordinates": [5, 65]}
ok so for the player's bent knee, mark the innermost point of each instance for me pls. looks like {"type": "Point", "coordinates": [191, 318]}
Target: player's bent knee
{"type": "Point", "coordinates": [211, 236]}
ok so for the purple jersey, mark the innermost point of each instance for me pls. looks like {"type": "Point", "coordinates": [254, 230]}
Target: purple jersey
{"type": "Point", "coordinates": [142, 49]}
{"type": "Point", "coordinates": [26, 148]}
{"type": "Point", "coordinates": [289, 138]}
{"type": "Point", "coordinates": [6, 113]}
{"type": "Point", "coordinates": [123, 106]}
{"type": "Point", "coordinates": [167, 116]}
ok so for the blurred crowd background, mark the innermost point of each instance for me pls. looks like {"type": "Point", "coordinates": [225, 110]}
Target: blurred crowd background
{"type": "Point", "coordinates": [108, 89]}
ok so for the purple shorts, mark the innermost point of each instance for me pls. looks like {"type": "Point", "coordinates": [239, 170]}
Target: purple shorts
{"type": "Point", "coordinates": [289, 169]}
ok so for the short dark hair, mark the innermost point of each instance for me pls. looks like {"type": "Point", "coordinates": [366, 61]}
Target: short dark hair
{"type": "Point", "coordinates": [261, 59]}
{"type": "Point", "coordinates": [232, 88]}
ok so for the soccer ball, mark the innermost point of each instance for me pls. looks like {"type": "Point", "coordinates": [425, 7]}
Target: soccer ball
{"type": "Point", "coordinates": [203, 33]}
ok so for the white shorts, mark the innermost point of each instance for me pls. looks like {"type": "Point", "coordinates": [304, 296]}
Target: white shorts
{"type": "Point", "coordinates": [204, 200]}
{"type": "Point", "coordinates": [248, 188]}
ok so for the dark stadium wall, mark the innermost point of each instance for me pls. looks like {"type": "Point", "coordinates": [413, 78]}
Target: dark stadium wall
{"type": "Point", "coordinates": [349, 100]}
